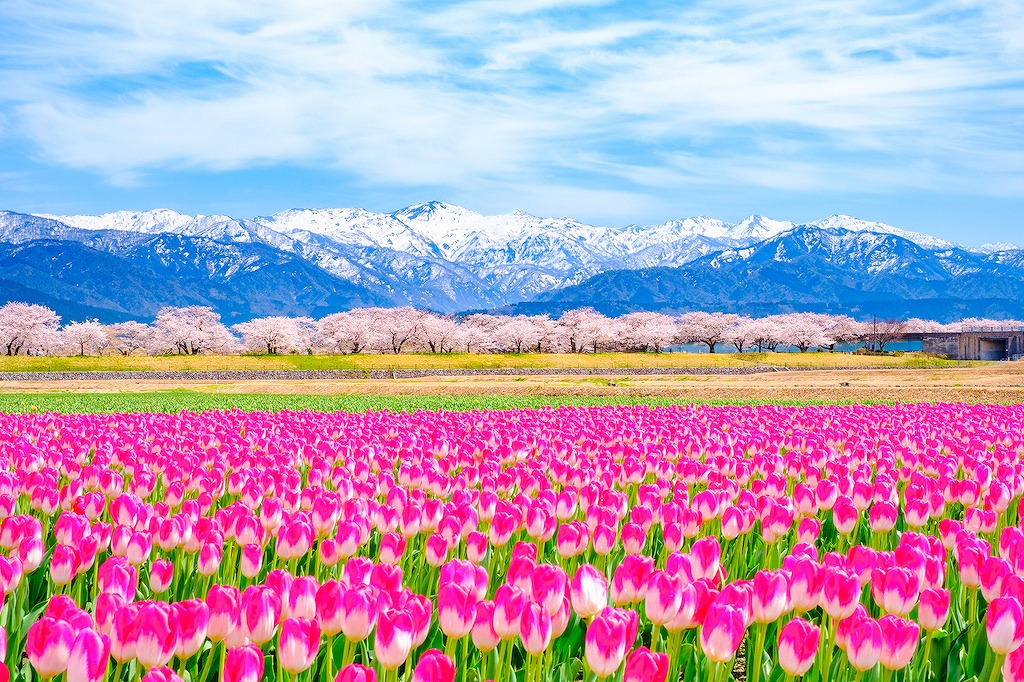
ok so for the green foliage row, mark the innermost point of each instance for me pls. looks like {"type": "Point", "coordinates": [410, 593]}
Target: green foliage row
{"type": "Point", "coordinates": [176, 401]}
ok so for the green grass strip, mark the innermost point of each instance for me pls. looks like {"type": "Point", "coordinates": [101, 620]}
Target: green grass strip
{"type": "Point", "coordinates": [176, 401]}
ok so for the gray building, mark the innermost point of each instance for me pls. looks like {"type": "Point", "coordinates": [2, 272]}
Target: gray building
{"type": "Point", "coordinates": [974, 344]}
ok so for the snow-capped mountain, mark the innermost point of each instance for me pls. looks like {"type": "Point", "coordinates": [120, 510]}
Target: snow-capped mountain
{"type": "Point", "coordinates": [447, 257]}
{"type": "Point", "coordinates": [820, 269]}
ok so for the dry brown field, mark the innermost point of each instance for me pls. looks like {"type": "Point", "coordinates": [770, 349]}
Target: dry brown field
{"type": "Point", "coordinates": [980, 383]}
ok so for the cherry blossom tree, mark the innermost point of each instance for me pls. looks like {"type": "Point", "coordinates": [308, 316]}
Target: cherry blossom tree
{"type": "Point", "coordinates": [395, 328]}
{"type": "Point", "coordinates": [84, 338]}
{"type": "Point", "coordinates": [743, 334]}
{"type": "Point", "coordinates": [439, 334]}
{"type": "Point", "coordinates": [274, 335]}
{"type": "Point", "coordinates": [519, 334]}
{"type": "Point", "coordinates": [578, 329]}
{"type": "Point", "coordinates": [128, 337]}
{"type": "Point", "coordinates": [880, 333]}
{"type": "Point", "coordinates": [841, 329]}
{"type": "Point", "coordinates": [28, 328]}
{"type": "Point", "coordinates": [803, 331]}
{"type": "Point", "coordinates": [191, 331]}
{"type": "Point", "coordinates": [480, 332]}
{"type": "Point", "coordinates": [353, 331]}
{"type": "Point", "coordinates": [706, 328]}
{"type": "Point", "coordinates": [642, 332]}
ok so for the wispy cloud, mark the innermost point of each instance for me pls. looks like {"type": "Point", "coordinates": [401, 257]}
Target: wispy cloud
{"type": "Point", "coordinates": [586, 97]}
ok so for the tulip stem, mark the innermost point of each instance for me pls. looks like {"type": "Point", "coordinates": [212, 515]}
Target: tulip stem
{"type": "Point", "coordinates": [206, 668]}
{"type": "Point", "coordinates": [997, 668]}
{"type": "Point", "coordinates": [754, 655]}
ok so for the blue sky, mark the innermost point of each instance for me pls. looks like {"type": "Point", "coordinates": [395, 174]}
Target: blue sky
{"type": "Point", "coordinates": [911, 113]}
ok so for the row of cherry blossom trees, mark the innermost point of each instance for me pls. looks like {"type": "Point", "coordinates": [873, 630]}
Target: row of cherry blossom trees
{"type": "Point", "coordinates": [35, 330]}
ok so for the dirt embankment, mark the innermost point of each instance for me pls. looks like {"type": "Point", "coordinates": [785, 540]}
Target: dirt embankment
{"type": "Point", "coordinates": [1002, 383]}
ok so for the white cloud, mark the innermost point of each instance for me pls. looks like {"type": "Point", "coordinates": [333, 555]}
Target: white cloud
{"type": "Point", "coordinates": [486, 94]}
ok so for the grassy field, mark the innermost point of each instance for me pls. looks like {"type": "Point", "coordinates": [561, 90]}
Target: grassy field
{"type": "Point", "coordinates": [464, 361]}
{"type": "Point", "coordinates": [176, 401]}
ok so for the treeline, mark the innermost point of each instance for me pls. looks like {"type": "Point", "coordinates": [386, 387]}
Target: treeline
{"type": "Point", "coordinates": [27, 329]}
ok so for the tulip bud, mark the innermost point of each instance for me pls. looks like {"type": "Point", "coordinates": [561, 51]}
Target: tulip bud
{"type": "Point", "coordinates": [298, 644]}
{"type": "Point", "coordinates": [933, 609]}
{"type": "Point", "coordinates": [260, 613]}
{"type": "Point", "coordinates": [608, 638]}
{"type": "Point", "coordinates": [434, 666]}
{"type": "Point", "coordinates": [643, 665]}
{"type": "Point", "coordinates": [243, 664]}
{"type": "Point", "coordinates": [535, 628]}
{"type": "Point", "coordinates": [48, 646]}
{"type": "Point", "coordinates": [1004, 624]}
{"type": "Point", "coordinates": [161, 573]}
{"type": "Point", "coordinates": [356, 673]}
{"type": "Point", "coordinates": [90, 655]}
{"type": "Point", "coordinates": [484, 636]}
{"type": "Point", "coordinates": [864, 643]}
{"type": "Point", "coordinates": [157, 634]}
{"type": "Point", "coordinates": [588, 591]}
{"type": "Point", "coordinates": [722, 631]}
{"type": "Point", "coordinates": [393, 639]}
{"type": "Point", "coordinates": [899, 641]}
{"type": "Point", "coordinates": [798, 645]}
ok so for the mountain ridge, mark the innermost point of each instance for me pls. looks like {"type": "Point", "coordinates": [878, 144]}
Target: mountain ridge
{"type": "Point", "coordinates": [448, 258]}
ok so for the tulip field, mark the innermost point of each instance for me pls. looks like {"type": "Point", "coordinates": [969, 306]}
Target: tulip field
{"type": "Point", "coordinates": [622, 543]}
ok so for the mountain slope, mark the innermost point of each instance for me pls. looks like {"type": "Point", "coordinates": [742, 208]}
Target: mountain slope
{"type": "Point", "coordinates": [814, 269]}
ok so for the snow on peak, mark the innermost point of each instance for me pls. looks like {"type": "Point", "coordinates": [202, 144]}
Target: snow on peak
{"type": "Point", "coordinates": [857, 225]}
{"type": "Point", "coordinates": [149, 222]}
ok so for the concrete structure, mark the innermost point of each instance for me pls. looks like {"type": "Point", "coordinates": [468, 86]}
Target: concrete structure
{"type": "Point", "coordinates": [976, 344]}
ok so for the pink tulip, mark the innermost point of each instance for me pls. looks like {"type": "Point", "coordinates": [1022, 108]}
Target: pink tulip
{"type": "Point", "coordinates": [476, 546]}
{"type": "Point", "coordinates": [899, 641]}
{"type": "Point", "coordinates": [608, 637]}
{"type": "Point", "coordinates": [156, 634]}
{"type": "Point", "coordinates": [933, 609]}
{"type": "Point", "coordinates": [722, 632]}
{"type": "Point", "coordinates": [260, 610]}
{"type": "Point", "coordinates": [359, 612]}
{"type": "Point", "coordinates": [456, 610]}
{"type": "Point", "coordinates": [162, 674]}
{"type": "Point", "coordinates": [664, 597]}
{"type": "Point", "coordinates": [89, 657]}
{"type": "Point", "coordinates": [48, 646]}
{"type": "Point", "coordinates": [840, 593]}
{"type": "Point", "coordinates": [588, 591]}
{"type": "Point", "coordinates": [193, 616]}
{"type": "Point", "coordinates": [225, 615]}
{"type": "Point", "coordinates": [393, 639]}
{"type": "Point", "coordinates": [392, 547]}
{"type": "Point", "coordinates": [1004, 624]}
{"type": "Point", "coordinates": [252, 560]}
{"type": "Point", "coordinates": [434, 666]}
{"type": "Point", "coordinates": [798, 645]}
{"type": "Point", "coordinates": [298, 644]}
{"type": "Point", "coordinates": [770, 596]}
{"type": "Point", "coordinates": [124, 634]}
{"type": "Point", "coordinates": [1013, 666]}
{"type": "Point", "coordinates": [356, 673]}
{"type": "Point", "coordinates": [161, 573]}
{"type": "Point", "coordinates": [509, 602]}
{"type": "Point", "coordinates": [302, 597]}
{"type": "Point", "coordinates": [705, 558]}
{"type": "Point", "coordinates": [64, 564]}
{"type": "Point", "coordinates": [864, 644]}
{"type": "Point", "coordinates": [210, 555]}
{"type": "Point", "coordinates": [329, 613]}
{"type": "Point", "coordinates": [643, 665]}
{"type": "Point", "coordinates": [484, 636]}
{"type": "Point", "coordinates": [243, 664]}
{"type": "Point", "coordinates": [535, 628]}
{"type": "Point", "coordinates": [629, 582]}
{"type": "Point", "coordinates": [806, 584]}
